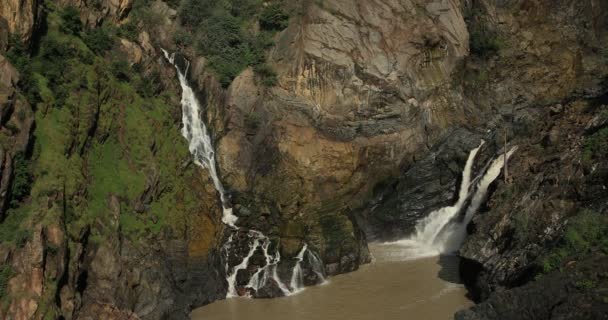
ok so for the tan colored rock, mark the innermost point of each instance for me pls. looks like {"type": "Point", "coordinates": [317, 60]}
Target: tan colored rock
{"type": "Point", "coordinates": [131, 50]}
{"type": "Point", "coordinates": [21, 16]}
{"type": "Point", "coordinates": [115, 10]}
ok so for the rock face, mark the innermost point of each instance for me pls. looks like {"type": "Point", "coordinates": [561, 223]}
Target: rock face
{"type": "Point", "coordinates": [94, 14]}
{"type": "Point", "coordinates": [377, 106]}
{"type": "Point", "coordinates": [556, 296]}
{"type": "Point", "coordinates": [524, 219]}
{"type": "Point", "coordinates": [354, 81]}
{"type": "Point", "coordinates": [16, 120]}
{"type": "Point", "coordinates": [20, 18]}
{"type": "Point", "coordinates": [425, 186]}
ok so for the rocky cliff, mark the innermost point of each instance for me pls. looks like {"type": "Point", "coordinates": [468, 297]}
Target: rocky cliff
{"type": "Point", "coordinates": [353, 124]}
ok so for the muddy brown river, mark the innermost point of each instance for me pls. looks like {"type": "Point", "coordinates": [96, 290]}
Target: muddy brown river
{"type": "Point", "coordinates": [392, 287]}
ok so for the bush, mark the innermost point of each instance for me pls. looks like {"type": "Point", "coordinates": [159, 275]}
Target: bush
{"type": "Point", "coordinates": [484, 42]}
{"type": "Point", "coordinates": [274, 18]}
{"type": "Point", "coordinates": [586, 231]}
{"type": "Point", "coordinates": [22, 179]}
{"type": "Point", "coordinates": [253, 120]}
{"type": "Point", "coordinates": [71, 23]}
{"type": "Point", "coordinates": [149, 86]}
{"type": "Point", "coordinates": [194, 12]}
{"type": "Point", "coordinates": [20, 59]}
{"type": "Point", "coordinates": [6, 272]}
{"type": "Point", "coordinates": [121, 70]}
{"type": "Point", "coordinates": [182, 39]}
{"type": "Point", "coordinates": [98, 40]}
{"type": "Point", "coordinates": [223, 32]}
{"type": "Point", "coordinates": [128, 30]}
{"type": "Point", "coordinates": [595, 147]}
{"type": "Point", "coordinates": [267, 76]}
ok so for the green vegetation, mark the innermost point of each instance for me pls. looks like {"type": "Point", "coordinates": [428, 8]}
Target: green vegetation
{"type": "Point", "coordinates": [273, 17]}
{"type": "Point", "coordinates": [22, 179]}
{"type": "Point", "coordinates": [266, 75]}
{"type": "Point", "coordinates": [71, 23]}
{"type": "Point", "coordinates": [20, 59]}
{"type": "Point", "coordinates": [484, 42]}
{"type": "Point", "coordinates": [224, 33]}
{"type": "Point", "coordinates": [338, 232]}
{"type": "Point", "coordinates": [595, 147]}
{"type": "Point", "coordinates": [102, 132]}
{"type": "Point", "coordinates": [586, 231]}
{"type": "Point", "coordinates": [6, 272]}
{"type": "Point", "coordinates": [98, 40]}
{"type": "Point", "coordinates": [12, 229]}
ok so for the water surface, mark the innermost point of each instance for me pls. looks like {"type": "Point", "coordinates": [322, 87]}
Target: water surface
{"type": "Point", "coordinates": [391, 288]}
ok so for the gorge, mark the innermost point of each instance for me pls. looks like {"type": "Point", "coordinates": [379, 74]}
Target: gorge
{"type": "Point", "coordinates": [337, 159]}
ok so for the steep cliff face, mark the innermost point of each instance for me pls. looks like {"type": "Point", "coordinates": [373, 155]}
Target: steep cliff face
{"type": "Point", "coordinates": [354, 81]}
{"type": "Point", "coordinates": [545, 228]}
{"type": "Point", "coordinates": [19, 18]}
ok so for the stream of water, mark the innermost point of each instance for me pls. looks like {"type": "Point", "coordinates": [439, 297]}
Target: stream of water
{"type": "Point", "coordinates": [390, 288]}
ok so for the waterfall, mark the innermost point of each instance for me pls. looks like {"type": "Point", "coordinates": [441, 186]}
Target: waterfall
{"type": "Point", "coordinates": [317, 266]}
{"type": "Point", "coordinates": [201, 147]}
{"type": "Point", "coordinates": [199, 141]}
{"type": "Point", "coordinates": [456, 232]}
{"type": "Point", "coordinates": [297, 279]}
{"type": "Point", "coordinates": [441, 232]}
{"type": "Point", "coordinates": [242, 266]}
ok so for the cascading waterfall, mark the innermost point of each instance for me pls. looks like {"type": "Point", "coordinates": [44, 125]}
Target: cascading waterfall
{"type": "Point", "coordinates": [453, 238]}
{"type": "Point", "coordinates": [317, 266]}
{"type": "Point", "coordinates": [297, 281]}
{"type": "Point", "coordinates": [199, 141]}
{"type": "Point", "coordinates": [441, 232]}
{"type": "Point", "coordinates": [201, 147]}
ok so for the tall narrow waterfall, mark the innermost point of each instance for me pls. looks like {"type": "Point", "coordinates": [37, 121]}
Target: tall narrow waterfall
{"type": "Point", "coordinates": [201, 147]}
{"type": "Point", "coordinates": [442, 231]}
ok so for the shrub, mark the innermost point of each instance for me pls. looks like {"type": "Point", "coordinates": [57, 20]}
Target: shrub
{"type": "Point", "coordinates": [182, 38]}
{"type": "Point", "coordinates": [20, 59]}
{"type": "Point", "coordinates": [484, 42]}
{"type": "Point", "coordinates": [223, 32]}
{"type": "Point", "coordinates": [274, 18]}
{"type": "Point", "coordinates": [22, 179]}
{"type": "Point", "coordinates": [595, 147]}
{"type": "Point", "coordinates": [98, 40]}
{"type": "Point", "coordinates": [586, 231]}
{"type": "Point", "coordinates": [71, 23]}
{"type": "Point", "coordinates": [120, 70]}
{"type": "Point", "coordinates": [149, 86]}
{"type": "Point", "coordinates": [6, 272]}
{"type": "Point", "coordinates": [253, 120]}
{"type": "Point", "coordinates": [193, 12]}
{"type": "Point", "coordinates": [267, 76]}
{"type": "Point", "coordinates": [128, 30]}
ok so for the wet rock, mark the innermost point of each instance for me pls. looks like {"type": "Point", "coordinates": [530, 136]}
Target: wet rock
{"type": "Point", "coordinates": [558, 295]}
{"type": "Point", "coordinates": [427, 185]}
{"type": "Point", "coordinates": [523, 220]}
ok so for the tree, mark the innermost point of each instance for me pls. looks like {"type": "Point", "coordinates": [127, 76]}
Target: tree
{"type": "Point", "coordinates": [71, 20]}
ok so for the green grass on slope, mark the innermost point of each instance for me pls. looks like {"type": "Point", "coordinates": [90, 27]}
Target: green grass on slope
{"type": "Point", "coordinates": [97, 137]}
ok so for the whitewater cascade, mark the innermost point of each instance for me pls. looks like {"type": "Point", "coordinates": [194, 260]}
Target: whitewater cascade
{"type": "Point", "coordinates": [442, 232]}
{"type": "Point", "coordinates": [297, 280]}
{"type": "Point", "coordinates": [201, 147]}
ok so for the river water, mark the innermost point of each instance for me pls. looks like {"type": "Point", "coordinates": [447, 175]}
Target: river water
{"type": "Point", "coordinates": [392, 287]}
